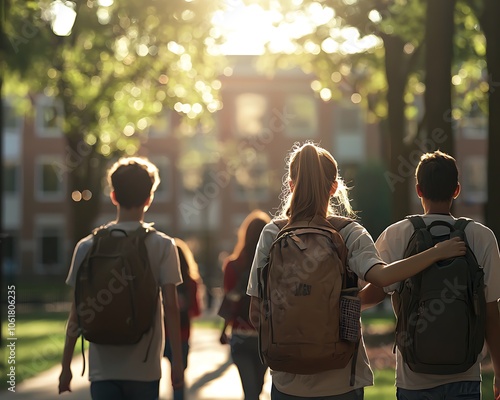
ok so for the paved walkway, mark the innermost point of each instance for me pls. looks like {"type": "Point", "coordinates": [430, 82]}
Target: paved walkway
{"type": "Point", "coordinates": [210, 376]}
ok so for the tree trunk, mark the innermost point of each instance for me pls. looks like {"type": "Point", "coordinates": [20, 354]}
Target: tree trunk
{"type": "Point", "coordinates": [491, 29]}
{"type": "Point", "coordinates": [400, 173]}
{"type": "Point", "coordinates": [1, 198]}
{"type": "Point", "coordinates": [439, 32]}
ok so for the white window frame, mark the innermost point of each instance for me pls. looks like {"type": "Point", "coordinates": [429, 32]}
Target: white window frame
{"type": "Point", "coordinates": [57, 223]}
{"type": "Point", "coordinates": [264, 116]}
{"type": "Point", "coordinates": [39, 193]}
{"type": "Point", "coordinates": [298, 133]}
{"type": "Point", "coordinates": [40, 128]}
{"type": "Point", "coordinates": [253, 195]}
{"type": "Point", "coordinates": [12, 130]}
{"type": "Point", "coordinates": [354, 139]}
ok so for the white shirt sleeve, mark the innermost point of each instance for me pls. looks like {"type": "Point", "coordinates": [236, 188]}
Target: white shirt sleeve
{"type": "Point", "coordinates": [485, 247]}
{"type": "Point", "coordinates": [81, 250]}
{"type": "Point", "coordinates": [362, 254]}
{"type": "Point", "coordinates": [169, 262]}
{"type": "Point", "coordinates": [391, 245]}
{"type": "Point", "coordinates": [266, 239]}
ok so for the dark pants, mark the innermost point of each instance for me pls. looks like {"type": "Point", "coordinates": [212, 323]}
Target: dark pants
{"type": "Point", "coordinates": [124, 390]}
{"type": "Point", "coordinates": [357, 394]}
{"type": "Point", "coordinates": [167, 352]}
{"type": "Point", "coordinates": [450, 391]}
{"type": "Point", "coordinates": [245, 355]}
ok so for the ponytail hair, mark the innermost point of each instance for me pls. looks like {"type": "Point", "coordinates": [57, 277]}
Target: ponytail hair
{"type": "Point", "coordinates": [312, 171]}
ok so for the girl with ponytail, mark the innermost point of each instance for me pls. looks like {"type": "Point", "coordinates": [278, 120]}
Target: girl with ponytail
{"type": "Point", "coordinates": [313, 189]}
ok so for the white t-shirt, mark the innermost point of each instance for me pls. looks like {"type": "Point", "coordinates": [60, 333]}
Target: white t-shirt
{"type": "Point", "coordinates": [362, 255]}
{"type": "Point", "coordinates": [127, 362]}
{"type": "Point", "coordinates": [391, 245]}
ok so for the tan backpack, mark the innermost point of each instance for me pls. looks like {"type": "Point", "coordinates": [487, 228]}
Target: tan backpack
{"type": "Point", "coordinates": [300, 290]}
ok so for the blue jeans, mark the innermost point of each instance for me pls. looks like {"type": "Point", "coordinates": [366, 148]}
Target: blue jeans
{"type": "Point", "coordinates": [124, 390]}
{"type": "Point", "coordinates": [356, 394]}
{"type": "Point", "coordinates": [245, 355]}
{"type": "Point", "coordinates": [167, 352]}
{"type": "Point", "coordinates": [451, 391]}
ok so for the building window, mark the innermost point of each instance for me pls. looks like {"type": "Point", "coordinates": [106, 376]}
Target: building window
{"type": "Point", "coordinates": [161, 126]}
{"type": "Point", "coordinates": [49, 116]}
{"type": "Point", "coordinates": [48, 179]}
{"type": "Point", "coordinates": [475, 127]}
{"type": "Point", "coordinates": [50, 249]}
{"type": "Point", "coordinates": [349, 134]}
{"type": "Point", "coordinates": [199, 206]}
{"type": "Point", "coordinates": [164, 190]}
{"type": "Point", "coordinates": [301, 116]}
{"type": "Point", "coordinates": [474, 180]}
{"type": "Point", "coordinates": [12, 121]}
{"type": "Point", "coordinates": [251, 114]}
{"type": "Point", "coordinates": [10, 178]}
{"type": "Point", "coordinates": [10, 255]}
{"type": "Point", "coordinates": [252, 178]}
{"type": "Point", "coordinates": [349, 120]}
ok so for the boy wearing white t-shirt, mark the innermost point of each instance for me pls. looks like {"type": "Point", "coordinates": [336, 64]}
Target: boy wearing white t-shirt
{"type": "Point", "coordinates": [123, 372]}
{"type": "Point", "coordinates": [437, 186]}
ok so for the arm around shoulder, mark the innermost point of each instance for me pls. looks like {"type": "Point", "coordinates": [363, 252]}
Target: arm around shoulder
{"type": "Point", "coordinates": [385, 275]}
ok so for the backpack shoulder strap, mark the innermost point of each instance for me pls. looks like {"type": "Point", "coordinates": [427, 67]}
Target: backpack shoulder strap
{"type": "Point", "coordinates": [420, 228]}
{"type": "Point", "coordinates": [281, 223]}
{"type": "Point", "coordinates": [461, 223]}
{"type": "Point", "coordinates": [417, 221]}
{"type": "Point", "coordinates": [339, 222]}
{"type": "Point", "coordinates": [100, 231]}
{"type": "Point", "coordinates": [143, 231]}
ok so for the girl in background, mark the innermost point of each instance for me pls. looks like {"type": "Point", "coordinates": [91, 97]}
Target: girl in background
{"type": "Point", "coordinates": [243, 339]}
{"type": "Point", "coordinates": [189, 306]}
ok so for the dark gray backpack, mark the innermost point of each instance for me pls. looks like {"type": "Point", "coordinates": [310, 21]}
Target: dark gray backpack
{"type": "Point", "coordinates": [441, 311]}
{"type": "Point", "coordinates": [116, 293]}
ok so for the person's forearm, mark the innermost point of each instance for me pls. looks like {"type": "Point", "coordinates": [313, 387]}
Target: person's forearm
{"type": "Point", "coordinates": [254, 312]}
{"type": "Point", "coordinates": [72, 335]}
{"type": "Point", "coordinates": [174, 331]}
{"type": "Point", "coordinates": [492, 335]}
{"type": "Point", "coordinates": [370, 296]}
{"type": "Point", "coordinates": [384, 275]}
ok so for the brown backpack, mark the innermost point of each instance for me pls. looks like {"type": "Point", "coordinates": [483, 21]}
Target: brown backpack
{"type": "Point", "coordinates": [300, 290]}
{"type": "Point", "coordinates": [116, 293]}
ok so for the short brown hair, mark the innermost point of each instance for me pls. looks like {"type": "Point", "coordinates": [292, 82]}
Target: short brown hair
{"type": "Point", "coordinates": [437, 176]}
{"type": "Point", "coordinates": [134, 180]}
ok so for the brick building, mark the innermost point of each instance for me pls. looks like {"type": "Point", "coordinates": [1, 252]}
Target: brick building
{"type": "Point", "coordinates": [210, 180]}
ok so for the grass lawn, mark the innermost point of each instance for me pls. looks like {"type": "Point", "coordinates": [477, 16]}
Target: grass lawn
{"type": "Point", "coordinates": [384, 386]}
{"type": "Point", "coordinates": [39, 345]}
{"type": "Point", "coordinates": [41, 339]}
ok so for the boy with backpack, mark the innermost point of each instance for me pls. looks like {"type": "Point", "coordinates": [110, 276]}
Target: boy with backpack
{"type": "Point", "coordinates": [447, 312]}
{"type": "Point", "coordinates": [120, 274]}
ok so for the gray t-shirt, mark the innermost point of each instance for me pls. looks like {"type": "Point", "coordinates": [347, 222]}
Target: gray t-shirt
{"type": "Point", "coordinates": [392, 243]}
{"type": "Point", "coordinates": [362, 256]}
{"type": "Point", "coordinates": [127, 362]}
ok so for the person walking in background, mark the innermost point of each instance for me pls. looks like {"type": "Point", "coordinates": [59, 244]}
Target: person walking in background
{"type": "Point", "coordinates": [189, 305]}
{"type": "Point", "coordinates": [310, 186]}
{"type": "Point", "coordinates": [437, 186]}
{"type": "Point", "coordinates": [128, 371]}
{"type": "Point", "coordinates": [243, 336]}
